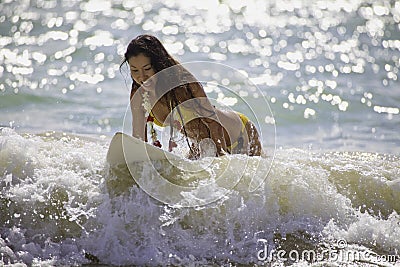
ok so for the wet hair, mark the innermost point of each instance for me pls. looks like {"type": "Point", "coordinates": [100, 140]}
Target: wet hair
{"type": "Point", "coordinates": [160, 59]}
{"type": "Point", "coordinates": [152, 48]}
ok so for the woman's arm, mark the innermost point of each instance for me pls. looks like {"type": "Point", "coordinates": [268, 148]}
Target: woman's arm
{"type": "Point", "coordinates": [210, 119]}
{"type": "Point", "coordinates": [216, 131]}
{"type": "Point", "coordinates": [138, 115]}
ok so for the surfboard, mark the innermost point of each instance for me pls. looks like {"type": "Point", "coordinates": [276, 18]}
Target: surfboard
{"type": "Point", "coordinates": [128, 149]}
{"type": "Point", "coordinates": [175, 180]}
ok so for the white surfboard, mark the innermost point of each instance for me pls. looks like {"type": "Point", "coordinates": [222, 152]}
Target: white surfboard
{"type": "Point", "coordinates": [127, 149]}
{"type": "Point", "coordinates": [178, 181]}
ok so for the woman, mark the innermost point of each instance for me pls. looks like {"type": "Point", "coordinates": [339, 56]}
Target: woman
{"type": "Point", "coordinates": [165, 93]}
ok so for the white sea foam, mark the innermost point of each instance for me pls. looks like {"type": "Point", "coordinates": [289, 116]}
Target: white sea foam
{"type": "Point", "coordinates": [62, 201]}
{"type": "Point", "coordinates": [329, 69]}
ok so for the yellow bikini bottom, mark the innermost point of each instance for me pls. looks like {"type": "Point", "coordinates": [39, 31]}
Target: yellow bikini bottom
{"type": "Point", "coordinates": [245, 120]}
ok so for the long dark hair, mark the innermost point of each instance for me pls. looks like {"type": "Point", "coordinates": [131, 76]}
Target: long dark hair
{"type": "Point", "coordinates": [160, 59]}
{"type": "Point", "coordinates": [173, 87]}
{"type": "Point", "coordinates": [152, 48]}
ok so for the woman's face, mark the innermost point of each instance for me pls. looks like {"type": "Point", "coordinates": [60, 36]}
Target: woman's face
{"type": "Point", "coordinates": [142, 71]}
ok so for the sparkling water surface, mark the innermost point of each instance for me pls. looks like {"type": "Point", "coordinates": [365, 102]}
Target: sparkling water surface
{"type": "Point", "coordinates": [327, 69]}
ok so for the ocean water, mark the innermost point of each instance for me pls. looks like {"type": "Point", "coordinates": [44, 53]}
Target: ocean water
{"type": "Point", "coordinates": [319, 78]}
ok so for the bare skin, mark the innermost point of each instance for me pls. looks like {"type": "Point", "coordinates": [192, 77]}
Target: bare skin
{"type": "Point", "coordinates": [222, 128]}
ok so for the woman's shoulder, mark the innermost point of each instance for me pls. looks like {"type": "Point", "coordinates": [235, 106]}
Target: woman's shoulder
{"type": "Point", "coordinates": [133, 90]}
